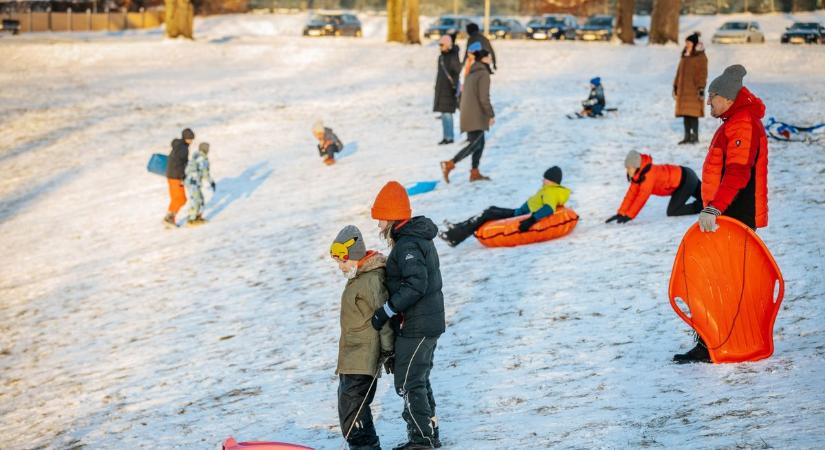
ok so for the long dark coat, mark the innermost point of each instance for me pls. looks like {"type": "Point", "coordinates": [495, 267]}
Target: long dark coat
{"type": "Point", "coordinates": [449, 69]}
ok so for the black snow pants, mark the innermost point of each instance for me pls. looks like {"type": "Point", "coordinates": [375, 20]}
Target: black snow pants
{"type": "Point", "coordinates": [475, 146]}
{"type": "Point", "coordinates": [352, 392]}
{"type": "Point", "coordinates": [460, 231]}
{"type": "Point", "coordinates": [691, 128]}
{"type": "Point", "coordinates": [690, 186]}
{"type": "Point", "coordinates": [329, 152]}
{"type": "Point", "coordinates": [413, 363]}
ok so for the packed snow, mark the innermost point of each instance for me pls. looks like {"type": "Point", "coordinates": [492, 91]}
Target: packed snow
{"type": "Point", "coordinates": [117, 333]}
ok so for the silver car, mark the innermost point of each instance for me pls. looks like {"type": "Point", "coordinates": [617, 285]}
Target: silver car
{"type": "Point", "coordinates": [738, 33]}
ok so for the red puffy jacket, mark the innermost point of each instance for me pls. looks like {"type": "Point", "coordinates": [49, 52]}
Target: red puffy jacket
{"type": "Point", "coordinates": [656, 179]}
{"type": "Point", "coordinates": [735, 173]}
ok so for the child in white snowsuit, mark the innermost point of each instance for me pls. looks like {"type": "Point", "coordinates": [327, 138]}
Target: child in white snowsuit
{"type": "Point", "coordinates": [197, 174]}
{"type": "Point", "coordinates": [328, 142]}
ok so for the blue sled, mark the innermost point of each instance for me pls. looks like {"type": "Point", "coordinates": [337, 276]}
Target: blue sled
{"type": "Point", "coordinates": [421, 187]}
{"type": "Point", "coordinates": [157, 164]}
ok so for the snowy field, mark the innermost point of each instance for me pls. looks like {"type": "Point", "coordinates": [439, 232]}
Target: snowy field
{"type": "Point", "coordinates": [116, 333]}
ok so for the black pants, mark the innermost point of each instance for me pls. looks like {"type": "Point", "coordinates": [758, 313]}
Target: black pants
{"type": "Point", "coordinates": [330, 151]}
{"type": "Point", "coordinates": [690, 186]}
{"type": "Point", "coordinates": [691, 128]}
{"type": "Point", "coordinates": [352, 392]}
{"type": "Point", "coordinates": [413, 364]}
{"type": "Point", "coordinates": [462, 230]}
{"type": "Point", "coordinates": [475, 146]}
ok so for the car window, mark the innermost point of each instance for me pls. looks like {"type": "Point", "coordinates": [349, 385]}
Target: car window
{"type": "Point", "coordinates": [600, 21]}
{"type": "Point", "coordinates": [735, 26]}
{"type": "Point", "coordinates": [804, 26]}
{"type": "Point", "coordinates": [447, 21]}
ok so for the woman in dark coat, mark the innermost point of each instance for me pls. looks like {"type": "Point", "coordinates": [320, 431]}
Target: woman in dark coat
{"type": "Point", "coordinates": [446, 86]}
{"type": "Point", "coordinates": [689, 87]}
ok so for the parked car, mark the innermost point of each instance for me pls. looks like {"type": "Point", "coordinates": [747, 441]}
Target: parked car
{"type": "Point", "coordinates": [550, 26]}
{"type": "Point", "coordinates": [804, 33]}
{"type": "Point", "coordinates": [504, 28]}
{"type": "Point", "coordinates": [597, 28]}
{"type": "Point", "coordinates": [640, 31]}
{"type": "Point", "coordinates": [446, 24]}
{"type": "Point", "coordinates": [333, 24]}
{"type": "Point", "coordinates": [738, 33]}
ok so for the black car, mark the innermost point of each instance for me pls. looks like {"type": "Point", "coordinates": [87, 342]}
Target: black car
{"type": "Point", "coordinates": [559, 27]}
{"type": "Point", "coordinates": [503, 28]}
{"type": "Point", "coordinates": [597, 28]}
{"type": "Point", "coordinates": [329, 24]}
{"type": "Point", "coordinates": [446, 25]}
{"type": "Point", "coordinates": [804, 33]}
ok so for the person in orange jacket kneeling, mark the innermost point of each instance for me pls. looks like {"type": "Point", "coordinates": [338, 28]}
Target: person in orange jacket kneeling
{"type": "Point", "coordinates": [647, 179]}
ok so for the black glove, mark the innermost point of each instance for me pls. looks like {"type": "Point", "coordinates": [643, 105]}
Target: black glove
{"type": "Point", "coordinates": [379, 318]}
{"type": "Point", "coordinates": [389, 361]}
{"type": "Point", "coordinates": [525, 224]}
{"type": "Point", "coordinates": [213, 186]}
{"type": "Point", "coordinates": [616, 217]}
{"type": "Point", "coordinates": [623, 219]}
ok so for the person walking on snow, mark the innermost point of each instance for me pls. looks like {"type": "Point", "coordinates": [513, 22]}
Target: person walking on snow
{"type": "Point", "coordinates": [474, 35]}
{"type": "Point", "coordinates": [735, 172]}
{"type": "Point", "coordinates": [446, 86]}
{"type": "Point", "coordinates": [415, 309]}
{"type": "Point", "coordinates": [646, 178]}
{"type": "Point", "coordinates": [175, 174]}
{"type": "Point", "coordinates": [328, 142]}
{"type": "Point", "coordinates": [477, 116]}
{"type": "Point", "coordinates": [543, 203]}
{"type": "Point", "coordinates": [361, 350]}
{"type": "Point", "coordinates": [689, 87]}
{"type": "Point", "coordinates": [595, 103]}
{"type": "Point", "coordinates": [197, 174]}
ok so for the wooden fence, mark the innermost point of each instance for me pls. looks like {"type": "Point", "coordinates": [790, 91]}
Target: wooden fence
{"type": "Point", "coordinates": [86, 20]}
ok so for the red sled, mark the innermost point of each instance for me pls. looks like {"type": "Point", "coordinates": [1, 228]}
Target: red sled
{"type": "Point", "coordinates": [733, 289]}
{"type": "Point", "coordinates": [232, 444]}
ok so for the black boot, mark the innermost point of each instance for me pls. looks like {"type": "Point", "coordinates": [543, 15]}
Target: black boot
{"type": "Point", "coordinates": [459, 232]}
{"type": "Point", "coordinates": [412, 446]}
{"type": "Point", "coordinates": [695, 355]}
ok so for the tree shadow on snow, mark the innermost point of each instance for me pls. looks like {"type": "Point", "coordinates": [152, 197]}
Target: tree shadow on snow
{"type": "Point", "coordinates": [231, 189]}
{"type": "Point", "coordinates": [348, 150]}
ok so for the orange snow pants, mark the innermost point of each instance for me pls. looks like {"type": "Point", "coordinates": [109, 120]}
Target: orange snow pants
{"type": "Point", "coordinates": [177, 195]}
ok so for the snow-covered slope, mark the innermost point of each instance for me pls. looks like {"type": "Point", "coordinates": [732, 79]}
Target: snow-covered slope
{"type": "Point", "coordinates": [116, 333]}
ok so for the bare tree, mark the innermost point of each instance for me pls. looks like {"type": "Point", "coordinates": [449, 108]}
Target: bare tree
{"type": "Point", "coordinates": [664, 22]}
{"type": "Point", "coordinates": [624, 20]}
{"type": "Point", "coordinates": [413, 32]}
{"type": "Point", "coordinates": [395, 21]}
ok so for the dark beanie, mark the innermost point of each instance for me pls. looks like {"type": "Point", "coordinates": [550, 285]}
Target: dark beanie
{"type": "Point", "coordinates": [553, 174]}
{"type": "Point", "coordinates": [188, 134]}
{"type": "Point", "coordinates": [693, 38]}
{"type": "Point", "coordinates": [472, 28]}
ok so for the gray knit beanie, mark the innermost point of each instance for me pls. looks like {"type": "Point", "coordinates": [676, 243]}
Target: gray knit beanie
{"type": "Point", "coordinates": [729, 83]}
{"type": "Point", "coordinates": [204, 147]}
{"type": "Point", "coordinates": [348, 245]}
{"type": "Point", "coordinates": [633, 159]}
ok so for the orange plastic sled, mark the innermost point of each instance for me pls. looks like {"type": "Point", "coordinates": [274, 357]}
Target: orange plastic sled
{"type": "Point", "coordinates": [733, 289]}
{"type": "Point", "coordinates": [232, 444]}
{"type": "Point", "coordinates": [505, 232]}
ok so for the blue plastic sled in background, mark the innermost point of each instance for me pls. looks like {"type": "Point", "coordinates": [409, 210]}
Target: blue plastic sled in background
{"type": "Point", "coordinates": [157, 164]}
{"type": "Point", "coordinates": [421, 187]}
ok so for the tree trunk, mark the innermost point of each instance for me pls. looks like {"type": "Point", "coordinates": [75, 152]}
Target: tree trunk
{"type": "Point", "coordinates": [664, 22]}
{"type": "Point", "coordinates": [624, 20]}
{"type": "Point", "coordinates": [413, 31]}
{"type": "Point", "coordinates": [395, 21]}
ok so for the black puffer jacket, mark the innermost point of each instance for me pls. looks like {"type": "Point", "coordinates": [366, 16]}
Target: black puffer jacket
{"type": "Point", "coordinates": [414, 280]}
{"type": "Point", "coordinates": [485, 44]}
{"type": "Point", "coordinates": [178, 158]}
{"type": "Point", "coordinates": [449, 69]}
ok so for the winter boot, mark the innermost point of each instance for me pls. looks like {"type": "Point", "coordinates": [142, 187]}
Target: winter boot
{"type": "Point", "coordinates": [696, 354]}
{"type": "Point", "coordinates": [413, 446]}
{"type": "Point", "coordinates": [169, 220]}
{"type": "Point", "coordinates": [329, 160]}
{"type": "Point", "coordinates": [475, 175]}
{"type": "Point", "coordinates": [457, 233]}
{"type": "Point", "coordinates": [446, 168]}
{"type": "Point", "coordinates": [445, 142]}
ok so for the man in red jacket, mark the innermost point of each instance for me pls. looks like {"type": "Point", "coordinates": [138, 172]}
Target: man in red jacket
{"type": "Point", "coordinates": [735, 173]}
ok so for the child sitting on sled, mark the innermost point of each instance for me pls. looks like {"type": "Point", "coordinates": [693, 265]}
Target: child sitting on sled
{"type": "Point", "coordinates": [328, 142]}
{"type": "Point", "coordinates": [361, 349]}
{"type": "Point", "coordinates": [594, 105]}
{"type": "Point", "coordinates": [197, 175]}
{"type": "Point", "coordinates": [543, 204]}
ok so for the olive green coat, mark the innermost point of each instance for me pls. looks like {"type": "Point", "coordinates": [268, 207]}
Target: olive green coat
{"type": "Point", "coordinates": [360, 346]}
{"type": "Point", "coordinates": [690, 81]}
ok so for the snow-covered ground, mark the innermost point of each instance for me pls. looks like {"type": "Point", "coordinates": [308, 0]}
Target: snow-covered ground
{"type": "Point", "coordinates": [116, 333]}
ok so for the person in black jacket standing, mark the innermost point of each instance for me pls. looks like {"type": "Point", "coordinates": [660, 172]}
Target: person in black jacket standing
{"type": "Point", "coordinates": [415, 309]}
{"type": "Point", "coordinates": [176, 173]}
{"type": "Point", "coordinates": [446, 86]}
{"type": "Point", "coordinates": [474, 35]}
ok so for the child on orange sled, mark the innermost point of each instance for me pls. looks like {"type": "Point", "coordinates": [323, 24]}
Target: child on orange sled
{"type": "Point", "coordinates": [361, 348]}
{"type": "Point", "coordinates": [543, 204]}
{"type": "Point", "coordinates": [646, 178]}
{"type": "Point", "coordinates": [328, 142]}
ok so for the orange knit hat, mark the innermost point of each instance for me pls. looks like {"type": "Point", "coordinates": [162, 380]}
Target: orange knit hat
{"type": "Point", "coordinates": [392, 203]}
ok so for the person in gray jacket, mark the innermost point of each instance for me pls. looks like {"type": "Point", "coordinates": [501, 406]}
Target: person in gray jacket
{"type": "Point", "coordinates": [477, 115]}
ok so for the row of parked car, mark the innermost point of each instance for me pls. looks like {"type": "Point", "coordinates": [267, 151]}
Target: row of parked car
{"type": "Point", "coordinates": [563, 27]}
